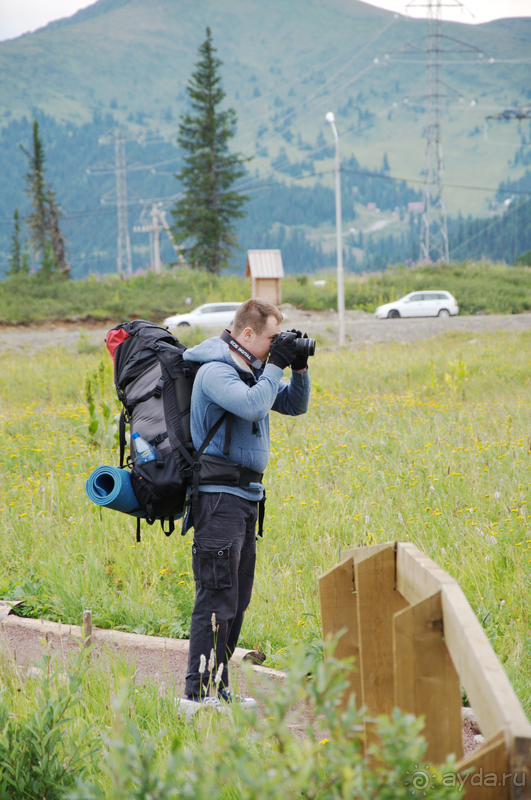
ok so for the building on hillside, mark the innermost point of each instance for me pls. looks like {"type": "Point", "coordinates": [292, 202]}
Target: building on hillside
{"type": "Point", "coordinates": [265, 271]}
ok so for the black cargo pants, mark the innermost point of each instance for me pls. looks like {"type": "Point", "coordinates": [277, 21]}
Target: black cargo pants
{"type": "Point", "coordinates": [223, 561]}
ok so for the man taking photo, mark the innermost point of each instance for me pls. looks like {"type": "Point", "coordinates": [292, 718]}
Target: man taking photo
{"type": "Point", "coordinates": [234, 383]}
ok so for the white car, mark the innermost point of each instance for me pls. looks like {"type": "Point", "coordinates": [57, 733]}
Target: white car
{"type": "Point", "coordinates": [209, 315]}
{"type": "Point", "coordinates": [420, 304]}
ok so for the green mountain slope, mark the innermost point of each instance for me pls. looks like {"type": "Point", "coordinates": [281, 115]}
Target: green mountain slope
{"type": "Point", "coordinates": [285, 65]}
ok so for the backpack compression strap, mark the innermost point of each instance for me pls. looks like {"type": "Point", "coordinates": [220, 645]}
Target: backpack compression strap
{"type": "Point", "coordinates": [197, 464]}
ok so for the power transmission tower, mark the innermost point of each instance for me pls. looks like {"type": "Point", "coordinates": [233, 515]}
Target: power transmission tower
{"type": "Point", "coordinates": [154, 227]}
{"type": "Point", "coordinates": [117, 136]}
{"type": "Point", "coordinates": [121, 196]}
{"type": "Point", "coordinates": [123, 258]}
{"type": "Point", "coordinates": [434, 229]}
{"type": "Point", "coordinates": [434, 209]}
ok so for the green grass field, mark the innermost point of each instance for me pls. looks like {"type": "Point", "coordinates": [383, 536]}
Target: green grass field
{"type": "Point", "coordinates": [480, 288]}
{"type": "Point", "coordinates": [427, 443]}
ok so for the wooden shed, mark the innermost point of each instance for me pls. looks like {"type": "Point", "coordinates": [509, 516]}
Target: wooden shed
{"type": "Point", "coordinates": [265, 270]}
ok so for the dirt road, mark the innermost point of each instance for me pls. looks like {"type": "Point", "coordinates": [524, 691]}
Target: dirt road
{"type": "Point", "coordinates": [361, 329]}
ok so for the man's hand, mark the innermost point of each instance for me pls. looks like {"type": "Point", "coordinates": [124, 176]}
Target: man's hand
{"type": "Point", "coordinates": [301, 362]}
{"type": "Point", "coordinates": [283, 350]}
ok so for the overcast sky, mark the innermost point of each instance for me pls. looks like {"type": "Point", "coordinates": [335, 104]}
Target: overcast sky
{"type": "Point", "coordinates": [20, 16]}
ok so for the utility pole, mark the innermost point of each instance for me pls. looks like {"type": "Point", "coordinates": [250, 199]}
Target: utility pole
{"type": "Point", "coordinates": [339, 234]}
{"type": "Point", "coordinates": [123, 257]}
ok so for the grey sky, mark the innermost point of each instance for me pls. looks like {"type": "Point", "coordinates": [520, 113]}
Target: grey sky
{"type": "Point", "coordinates": [20, 16]}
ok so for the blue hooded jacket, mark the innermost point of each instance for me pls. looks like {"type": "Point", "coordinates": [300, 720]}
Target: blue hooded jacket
{"type": "Point", "coordinates": [218, 387]}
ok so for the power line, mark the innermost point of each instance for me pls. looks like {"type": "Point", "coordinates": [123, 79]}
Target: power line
{"type": "Point", "coordinates": [491, 225]}
{"type": "Point", "coordinates": [452, 185]}
{"type": "Point", "coordinates": [104, 212]}
{"type": "Point", "coordinates": [359, 126]}
{"type": "Point", "coordinates": [319, 90]}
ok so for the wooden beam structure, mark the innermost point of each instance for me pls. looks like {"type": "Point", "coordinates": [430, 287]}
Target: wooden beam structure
{"type": "Point", "coordinates": [415, 642]}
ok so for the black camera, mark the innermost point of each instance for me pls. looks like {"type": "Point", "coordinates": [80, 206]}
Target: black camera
{"type": "Point", "coordinates": [305, 346]}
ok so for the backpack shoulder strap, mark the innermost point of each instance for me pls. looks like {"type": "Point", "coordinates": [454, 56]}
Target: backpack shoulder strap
{"type": "Point", "coordinates": [121, 437]}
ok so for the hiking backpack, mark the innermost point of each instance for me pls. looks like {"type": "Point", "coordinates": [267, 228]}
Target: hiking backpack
{"type": "Point", "coordinates": [154, 384]}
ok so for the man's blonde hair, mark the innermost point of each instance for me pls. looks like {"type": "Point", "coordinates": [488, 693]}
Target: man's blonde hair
{"type": "Point", "coordinates": [254, 314]}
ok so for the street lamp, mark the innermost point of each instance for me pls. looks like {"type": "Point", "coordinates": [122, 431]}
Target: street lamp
{"type": "Point", "coordinates": [339, 236]}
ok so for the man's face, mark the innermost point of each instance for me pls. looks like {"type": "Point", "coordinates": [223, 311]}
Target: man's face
{"type": "Point", "coordinates": [259, 344]}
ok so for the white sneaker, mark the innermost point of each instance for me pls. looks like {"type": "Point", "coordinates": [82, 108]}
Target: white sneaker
{"type": "Point", "coordinates": [243, 702]}
{"type": "Point", "coordinates": [191, 706]}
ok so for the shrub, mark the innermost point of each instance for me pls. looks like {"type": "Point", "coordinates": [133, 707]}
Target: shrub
{"type": "Point", "coordinates": [249, 757]}
{"type": "Point", "coordinates": [41, 754]}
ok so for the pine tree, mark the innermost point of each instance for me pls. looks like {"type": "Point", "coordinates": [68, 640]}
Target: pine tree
{"type": "Point", "coordinates": [16, 256]}
{"type": "Point", "coordinates": [49, 265]}
{"type": "Point", "coordinates": [56, 237]}
{"type": "Point", "coordinates": [43, 222]}
{"type": "Point", "coordinates": [36, 190]}
{"type": "Point", "coordinates": [205, 216]}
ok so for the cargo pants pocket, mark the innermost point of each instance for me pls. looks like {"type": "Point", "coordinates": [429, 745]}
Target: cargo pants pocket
{"type": "Point", "coordinates": [211, 566]}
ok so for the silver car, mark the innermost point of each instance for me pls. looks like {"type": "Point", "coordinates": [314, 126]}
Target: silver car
{"type": "Point", "coordinates": [420, 304]}
{"type": "Point", "coordinates": [209, 315]}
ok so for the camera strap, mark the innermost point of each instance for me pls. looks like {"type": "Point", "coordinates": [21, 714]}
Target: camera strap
{"type": "Point", "coordinates": [238, 348]}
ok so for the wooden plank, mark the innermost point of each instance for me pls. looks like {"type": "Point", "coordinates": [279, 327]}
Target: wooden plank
{"type": "Point", "coordinates": [417, 575]}
{"type": "Point", "coordinates": [486, 769]}
{"type": "Point", "coordinates": [378, 602]}
{"type": "Point", "coordinates": [425, 679]}
{"type": "Point", "coordinates": [487, 685]}
{"type": "Point", "coordinates": [339, 612]}
{"type": "Point", "coordinates": [520, 765]}
{"type": "Point", "coordinates": [359, 554]}
{"type": "Point", "coordinates": [488, 688]}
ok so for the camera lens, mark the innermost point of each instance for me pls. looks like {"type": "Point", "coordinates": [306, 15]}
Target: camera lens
{"type": "Point", "coordinates": [305, 347]}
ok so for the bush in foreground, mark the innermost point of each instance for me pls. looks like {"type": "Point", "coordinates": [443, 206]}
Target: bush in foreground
{"type": "Point", "coordinates": [253, 756]}
{"type": "Point", "coordinates": [82, 733]}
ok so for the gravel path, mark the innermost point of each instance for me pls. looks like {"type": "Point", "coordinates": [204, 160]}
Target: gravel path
{"type": "Point", "coordinates": [361, 329]}
{"type": "Point", "coordinates": [364, 329]}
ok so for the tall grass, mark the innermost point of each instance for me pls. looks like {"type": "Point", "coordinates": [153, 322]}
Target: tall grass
{"type": "Point", "coordinates": [86, 732]}
{"type": "Point", "coordinates": [480, 288]}
{"type": "Point", "coordinates": [426, 443]}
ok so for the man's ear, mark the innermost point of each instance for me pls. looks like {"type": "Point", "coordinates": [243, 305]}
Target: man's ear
{"type": "Point", "coordinates": [248, 334]}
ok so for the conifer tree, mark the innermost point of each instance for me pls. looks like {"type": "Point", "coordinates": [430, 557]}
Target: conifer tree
{"type": "Point", "coordinates": [205, 216]}
{"type": "Point", "coordinates": [56, 237]}
{"type": "Point", "coordinates": [36, 190]}
{"type": "Point", "coordinates": [43, 222]}
{"type": "Point", "coordinates": [15, 257]}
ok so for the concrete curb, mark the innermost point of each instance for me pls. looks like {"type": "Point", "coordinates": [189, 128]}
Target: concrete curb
{"type": "Point", "coordinates": [156, 657]}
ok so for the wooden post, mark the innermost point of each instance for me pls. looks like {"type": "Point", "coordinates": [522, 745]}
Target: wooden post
{"type": "Point", "coordinates": [416, 640]}
{"type": "Point", "coordinates": [339, 613]}
{"type": "Point", "coordinates": [426, 682]}
{"type": "Point", "coordinates": [378, 602]}
{"type": "Point", "coordinates": [87, 628]}
{"type": "Point", "coordinates": [482, 772]}
{"type": "Point", "coordinates": [488, 688]}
